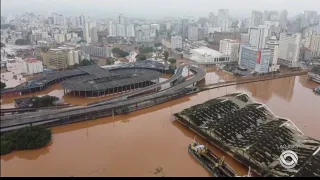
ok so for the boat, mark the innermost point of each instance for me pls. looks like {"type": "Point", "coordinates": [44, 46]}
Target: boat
{"type": "Point", "coordinates": [216, 167]}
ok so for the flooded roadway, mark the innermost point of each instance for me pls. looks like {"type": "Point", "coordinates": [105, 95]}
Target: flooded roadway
{"type": "Point", "coordinates": [138, 143]}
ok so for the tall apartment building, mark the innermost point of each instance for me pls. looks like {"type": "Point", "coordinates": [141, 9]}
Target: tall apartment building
{"type": "Point", "coordinates": [154, 29]}
{"type": "Point", "coordinates": [255, 59]}
{"type": "Point", "coordinates": [94, 35]}
{"type": "Point", "coordinates": [184, 29]}
{"type": "Point", "coordinates": [130, 30]}
{"type": "Point", "coordinates": [56, 59]}
{"type": "Point", "coordinates": [315, 45]}
{"type": "Point", "coordinates": [283, 19]}
{"type": "Point", "coordinates": [112, 29]}
{"type": "Point", "coordinates": [273, 45]}
{"type": "Point", "coordinates": [230, 48]}
{"type": "Point", "coordinates": [102, 52]}
{"type": "Point", "coordinates": [121, 32]}
{"type": "Point", "coordinates": [86, 32]}
{"type": "Point", "coordinates": [223, 15]}
{"type": "Point", "coordinates": [193, 33]}
{"type": "Point", "coordinates": [258, 36]}
{"type": "Point", "coordinates": [256, 18]}
{"type": "Point", "coordinates": [176, 42]}
{"type": "Point", "coordinates": [289, 49]}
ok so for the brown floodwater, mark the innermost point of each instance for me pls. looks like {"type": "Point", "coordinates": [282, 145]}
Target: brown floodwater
{"type": "Point", "coordinates": [138, 143]}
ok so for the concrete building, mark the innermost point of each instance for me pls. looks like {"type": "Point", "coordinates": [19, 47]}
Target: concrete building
{"type": "Point", "coordinates": [273, 45]}
{"type": "Point", "coordinates": [102, 52]}
{"type": "Point", "coordinates": [289, 49]}
{"type": "Point", "coordinates": [94, 35]}
{"type": "Point", "coordinates": [56, 59]}
{"type": "Point", "coordinates": [146, 33]}
{"type": "Point", "coordinates": [254, 59]}
{"type": "Point", "coordinates": [121, 30]}
{"type": "Point", "coordinates": [256, 19]}
{"type": "Point", "coordinates": [154, 28]}
{"type": "Point", "coordinates": [230, 48]}
{"type": "Point", "coordinates": [86, 32]}
{"type": "Point", "coordinates": [205, 55]}
{"type": "Point", "coordinates": [258, 36]}
{"type": "Point", "coordinates": [176, 42]}
{"type": "Point", "coordinates": [315, 45]}
{"type": "Point", "coordinates": [223, 15]}
{"type": "Point", "coordinates": [32, 66]}
{"type": "Point", "coordinates": [193, 33]}
{"type": "Point", "coordinates": [112, 29]}
{"type": "Point", "coordinates": [130, 30]}
{"type": "Point", "coordinates": [59, 37]}
{"type": "Point", "coordinates": [244, 39]}
{"type": "Point", "coordinates": [283, 19]}
{"type": "Point", "coordinates": [185, 25]}
{"type": "Point", "coordinates": [274, 16]}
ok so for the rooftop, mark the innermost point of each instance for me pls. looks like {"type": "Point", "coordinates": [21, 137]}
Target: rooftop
{"type": "Point", "coordinates": [31, 60]}
{"type": "Point", "coordinates": [207, 51]}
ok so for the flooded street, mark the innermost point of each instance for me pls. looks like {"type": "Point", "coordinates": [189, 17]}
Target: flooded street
{"type": "Point", "coordinates": [138, 143]}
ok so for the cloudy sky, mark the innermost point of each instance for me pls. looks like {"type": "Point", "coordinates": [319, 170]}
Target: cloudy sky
{"type": "Point", "coordinates": [155, 8]}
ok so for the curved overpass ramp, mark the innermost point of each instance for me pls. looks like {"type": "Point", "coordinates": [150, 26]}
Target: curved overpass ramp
{"type": "Point", "coordinates": [18, 121]}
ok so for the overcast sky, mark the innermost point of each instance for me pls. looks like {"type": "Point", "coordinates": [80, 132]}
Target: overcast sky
{"type": "Point", "coordinates": [155, 8]}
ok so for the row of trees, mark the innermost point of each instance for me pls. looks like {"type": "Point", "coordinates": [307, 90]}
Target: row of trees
{"type": "Point", "coordinates": [119, 52]}
{"type": "Point", "coordinates": [44, 101]}
{"type": "Point", "coordinates": [32, 137]}
{"type": "Point", "coordinates": [145, 50]}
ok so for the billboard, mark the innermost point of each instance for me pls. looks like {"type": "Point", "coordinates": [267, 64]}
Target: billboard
{"type": "Point", "coordinates": [258, 56]}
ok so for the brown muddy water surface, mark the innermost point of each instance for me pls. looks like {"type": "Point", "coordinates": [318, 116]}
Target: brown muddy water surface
{"type": "Point", "coordinates": [138, 143]}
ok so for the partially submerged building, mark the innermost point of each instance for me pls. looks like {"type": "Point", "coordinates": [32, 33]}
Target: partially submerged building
{"type": "Point", "coordinates": [253, 135]}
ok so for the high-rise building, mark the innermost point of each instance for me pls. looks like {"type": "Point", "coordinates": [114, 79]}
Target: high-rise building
{"type": "Point", "coordinates": [81, 20]}
{"type": "Point", "coordinates": [94, 35]}
{"type": "Point", "coordinates": [289, 49]}
{"type": "Point", "coordinates": [255, 59]}
{"type": "Point", "coordinates": [273, 45]}
{"type": "Point", "coordinates": [230, 48]}
{"type": "Point", "coordinates": [154, 29]}
{"type": "Point", "coordinates": [223, 14]}
{"type": "Point", "coordinates": [112, 29]}
{"type": "Point", "coordinates": [176, 42]}
{"type": "Point", "coordinates": [146, 33]}
{"type": "Point", "coordinates": [265, 16]}
{"type": "Point", "coordinates": [274, 16]}
{"type": "Point", "coordinates": [310, 18]}
{"type": "Point", "coordinates": [185, 25]}
{"type": "Point", "coordinates": [295, 26]}
{"type": "Point", "coordinates": [130, 30]}
{"type": "Point", "coordinates": [315, 45]}
{"type": "Point", "coordinates": [225, 25]}
{"type": "Point", "coordinates": [283, 19]}
{"type": "Point", "coordinates": [121, 30]}
{"type": "Point", "coordinates": [193, 32]}
{"type": "Point", "coordinates": [258, 36]}
{"type": "Point", "coordinates": [122, 19]}
{"type": "Point", "coordinates": [86, 32]}
{"type": "Point", "coordinates": [256, 18]}
{"type": "Point", "coordinates": [213, 20]}
{"type": "Point", "coordinates": [56, 59]}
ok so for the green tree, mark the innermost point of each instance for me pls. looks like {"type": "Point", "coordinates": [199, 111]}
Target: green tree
{"type": "Point", "coordinates": [166, 55]}
{"type": "Point", "coordinates": [31, 137]}
{"type": "Point", "coordinates": [141, 57]}
{"type": "Point", "coordinates": [3, 85]}
{"type": "Point", "coordinates": [110, 61]}
{"type": "Point", "coordinates": [145, 50]}
{"type": "Point", "coordinates": [172, 60]}
{"type": "Point", "coordinates": [119, 52]}
{"type": "Point", "coordinates": [44, 101]}
{"type": "Point", "coordinates": [86, 62]}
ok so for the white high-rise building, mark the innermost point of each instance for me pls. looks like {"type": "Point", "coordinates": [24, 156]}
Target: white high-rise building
{"type": "Point", "coordinates": [154, 29]}
{"type": "Point", "coordinates": [258, 36]}
{"type": "Point", "coordinates": [121, 30]}
{"type": "Point", "coordinates": [193, 33]}
{"type": "Point", "coordinates": [256, 18]}
{"type": "Point", "coordinates": [86, 32]}
{"type": "Point", "coordinates": [315, 45]}
{"type": "Point", "coordinates": [94, 35]}
{"type": "Point", "coordinates": [289, 49]}
{"type": "Point", "coordinates": [283, 19]}
{"type": "Point", "coordinates": [146, 33]}
{"type": "Point", "coordinates": [81, 20]}
{"type": "Point", "coordinates": [222, 14]}
{"type": "Point", "coordinates": [273, 45]}
{"type": "Point", "coordinates": [225, 25]}
{"type": "Point", "coordinates": [230, 48]}
{"type": "Point", "coordinates": [130, 30]}
{"type": "Point", "coordinates": [176, 42]}
{"type": "Point", "coordinates": [112, 29]}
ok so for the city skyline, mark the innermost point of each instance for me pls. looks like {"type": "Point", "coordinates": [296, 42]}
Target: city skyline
{"type": "Point", "coordinates": [164, 8]}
